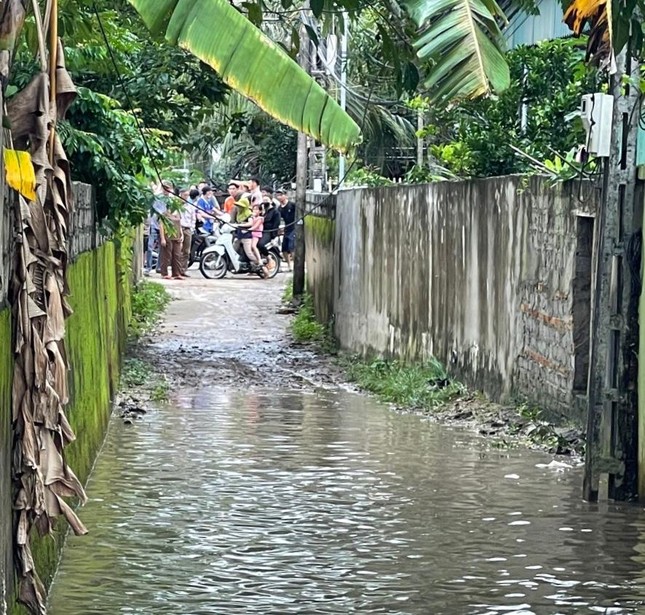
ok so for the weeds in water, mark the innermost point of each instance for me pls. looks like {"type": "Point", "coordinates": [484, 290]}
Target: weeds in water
{"type": "Point", "coordinates": [423, 386]}
{"type": "Point", "coordinates": [149, 299]}
{"type": "Point", "coordinates": [543, 433]}
{"type": "Point", "coordinates": [134, 373]}
{"type": "Point", "coordinates": [160, 390]}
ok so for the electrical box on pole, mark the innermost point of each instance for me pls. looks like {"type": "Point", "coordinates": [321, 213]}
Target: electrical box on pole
{"type": "Point", "coordinates": [596, 111]}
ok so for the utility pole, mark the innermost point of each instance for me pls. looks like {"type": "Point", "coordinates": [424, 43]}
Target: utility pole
{"type": "Point", "coordinates": [301, 186]}
{"type": "Point", "coordinates": [344, 43]}
{"type": "Point", "coordinates": [612, 446]}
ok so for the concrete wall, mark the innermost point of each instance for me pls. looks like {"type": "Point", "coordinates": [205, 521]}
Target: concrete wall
{"type": "Point", "coordinates": [482, 274]}
{"type": "Point", "coordinates": [96, 333]}
{"type": "Point", "coordinates": [320, 231]}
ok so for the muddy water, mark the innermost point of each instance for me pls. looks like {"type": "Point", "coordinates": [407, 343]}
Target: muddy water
{"type": "Point", "coordinates": [305, 503]}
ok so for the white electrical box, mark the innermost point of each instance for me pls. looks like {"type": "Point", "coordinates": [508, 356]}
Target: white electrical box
{"type": "Point", "coordinates": [597, 111]}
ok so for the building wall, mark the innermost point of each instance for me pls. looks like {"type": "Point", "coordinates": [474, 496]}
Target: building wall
{"type": "Point", "coordinates": [482, 274]}
{"type": "Point", "coordinates": [526, 29]}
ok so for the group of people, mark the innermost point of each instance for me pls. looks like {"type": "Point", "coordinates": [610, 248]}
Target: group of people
{"type": "Point", "coordinates": [259, 214]}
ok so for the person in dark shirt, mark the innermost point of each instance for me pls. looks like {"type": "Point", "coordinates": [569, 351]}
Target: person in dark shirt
{"type": "Point", "coordinates": [288, 214]}
{"type": "Point", "coordinates": [271, 221]}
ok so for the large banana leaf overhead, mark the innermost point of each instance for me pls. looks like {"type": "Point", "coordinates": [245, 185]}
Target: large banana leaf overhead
{"type": "Point", "coordinates": [252, 64]}
{"type": "Point", "coordinates": [463, 44]}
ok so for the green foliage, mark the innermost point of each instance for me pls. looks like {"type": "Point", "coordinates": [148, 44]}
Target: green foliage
{"type": "Point", "coordinates": [160, 391]}
{"type": "Point", "coordinates": [287, 295]}
{"type": "Point", "coordinates": [475, 138]}
{"type": "Point", "coordinates": [106, 149]}
{"type": "Point", "coordinates": [425, 175]}
{"type": "Point", "coordinates": [463, 43]}
{"type": "Point", "coordinates": [135, 373]}
{"type": "Point", "coordinates": [141, 375]}
{"type": "Point", "coordinates": [366, 176]}
{"type": "Point", "coordinates": [149, 299]}
{"type": "Point", "coordinates": [304, 327]}
{"type": "Point", "coordinates": [420, 386]}
{"type": "Point", "coordinates": [166, 88]}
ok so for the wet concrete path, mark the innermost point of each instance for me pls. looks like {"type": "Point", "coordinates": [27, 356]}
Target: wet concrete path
{"type": "Point", "coordinates": [262, 488]}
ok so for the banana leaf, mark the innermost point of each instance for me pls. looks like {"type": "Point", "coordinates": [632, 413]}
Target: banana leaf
{"type": "Point", "coordinates": [246, 59]}
{"type": "Point", "coordinates": [462, 43]}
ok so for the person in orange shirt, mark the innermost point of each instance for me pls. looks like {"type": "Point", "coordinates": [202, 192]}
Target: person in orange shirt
{"type": "Point", "coordinates": [233, 190]}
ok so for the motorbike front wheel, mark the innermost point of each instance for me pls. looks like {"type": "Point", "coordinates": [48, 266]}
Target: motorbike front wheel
{"type": "Point", "coordinates": [213, 266]}
{"type": "Point", "coordinates": [272, 263]}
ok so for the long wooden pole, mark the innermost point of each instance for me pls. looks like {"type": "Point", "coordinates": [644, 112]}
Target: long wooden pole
{"type": "Point", "coordinates": [301, 188]}
{"type": "Point", "coordinates": [53, 61]}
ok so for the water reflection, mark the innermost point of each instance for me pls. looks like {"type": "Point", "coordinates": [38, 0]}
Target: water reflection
{"type": "Point", "coordinates": [329, 503]}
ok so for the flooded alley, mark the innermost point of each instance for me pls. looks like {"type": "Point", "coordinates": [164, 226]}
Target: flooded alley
{"type": "Point", "coordinates": [261, 487]}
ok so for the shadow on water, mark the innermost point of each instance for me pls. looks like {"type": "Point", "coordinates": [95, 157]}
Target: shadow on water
{"type": "Point", "coordinates": [305, 503]}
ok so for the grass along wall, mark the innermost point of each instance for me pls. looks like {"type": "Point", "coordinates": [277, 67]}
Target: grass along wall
{"type": "Point", "coordinates": [96, 334]}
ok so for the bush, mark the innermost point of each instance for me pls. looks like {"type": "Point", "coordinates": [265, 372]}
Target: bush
{"type": "Point", "coordinates": [423, 386]}
{"type": "Point", "coordinates": [149, 300]}
{"type": "Point", "coordinates": [305, 327]}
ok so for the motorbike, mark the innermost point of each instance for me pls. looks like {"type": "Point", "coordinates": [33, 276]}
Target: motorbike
{"type": "Point", "coordinates": [201, 240]}
{"type": "Point", "coordinates": [272, 252]}
{"type": "Point", "coordinates": [221, 257]}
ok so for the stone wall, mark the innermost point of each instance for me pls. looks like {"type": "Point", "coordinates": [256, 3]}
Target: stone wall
{"type": "Point", "coordinates": [490, 276]}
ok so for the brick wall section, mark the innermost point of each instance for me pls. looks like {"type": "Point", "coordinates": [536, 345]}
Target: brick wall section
{"type": "Point", "coordinates": [480, 274]}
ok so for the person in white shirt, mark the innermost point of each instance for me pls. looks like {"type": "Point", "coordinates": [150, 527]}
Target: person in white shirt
{"type": "Point", "coordinates": [256, 193]}
{"type": "Point", "coordinates": [188, 219]}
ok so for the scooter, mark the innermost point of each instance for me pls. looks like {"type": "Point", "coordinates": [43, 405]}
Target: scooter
{"type": "Point", "coordinates": [222, 257]}
{"type": "Point", "coordinates": [201, 240]}
{"type": "Point", "coordinates": [271, 251]}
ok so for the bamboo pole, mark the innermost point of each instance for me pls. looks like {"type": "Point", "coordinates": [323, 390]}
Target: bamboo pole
{"type": "Point", "coordinates": [53, 61]}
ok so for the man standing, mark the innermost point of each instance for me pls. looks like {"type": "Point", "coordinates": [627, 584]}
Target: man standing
{"type": "Point", "coordinates": [256, 193]}
{"type": "Point", "coordinates": [233, 189]}
{"type": "Point", "coordinates": [288, 214]}
{"type": "Point", "coordinates": [188, 219]}
{"type": "Point", "coordinates": [205, 207]}
{"type": "Point", "coordinates": [170, 236]}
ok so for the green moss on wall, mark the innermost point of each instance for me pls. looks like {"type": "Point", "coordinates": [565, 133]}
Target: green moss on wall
{"type": "Point", "coordinates": [100, 285]}
{"type": "Point", "coordinates": [320, 229]}
{"type": "Point", "coordinates": [320, 233]}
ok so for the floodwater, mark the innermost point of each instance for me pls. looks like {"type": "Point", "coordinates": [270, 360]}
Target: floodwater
{"type": "Point", "coordinates": [328, 502]}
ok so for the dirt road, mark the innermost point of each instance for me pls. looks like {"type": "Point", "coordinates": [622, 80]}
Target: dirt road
{"type": "Point", "coordinates": [230, 331]}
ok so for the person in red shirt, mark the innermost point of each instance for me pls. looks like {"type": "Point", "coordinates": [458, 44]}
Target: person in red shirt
{"type": "Point", "coordinates": [233, 190]}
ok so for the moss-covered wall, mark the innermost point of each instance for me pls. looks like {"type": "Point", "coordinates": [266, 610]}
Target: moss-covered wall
{"type": "Point", "coordinates": [320, 234]}
{"type": "Point", "coordinates": [96, 334]}
{"type": "Point", "coordinates": [6, 373]}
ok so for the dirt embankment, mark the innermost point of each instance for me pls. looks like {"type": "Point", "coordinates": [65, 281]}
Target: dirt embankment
{"type": "Point", "coordinates": [229, 333]}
